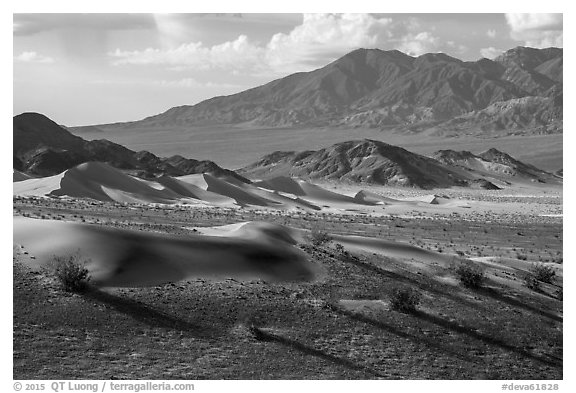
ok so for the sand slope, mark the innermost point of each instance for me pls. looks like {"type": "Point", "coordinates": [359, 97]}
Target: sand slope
{"type": "Point", "coordinates": [102, 182]}
{"type": "Point", "coordinates": [97, 181]}
{"type": "Point", "coordinates": [122, 258]}
{"type": "Point", "coordinates": [356, 243]}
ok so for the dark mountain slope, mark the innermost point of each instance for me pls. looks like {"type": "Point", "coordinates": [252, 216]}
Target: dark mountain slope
{"type": "Point", "coordinates": [42, 147]}
{"type": "Point", "coordinates": [358, 161]}
{"type": "Point", "coordinates": [493, 162]}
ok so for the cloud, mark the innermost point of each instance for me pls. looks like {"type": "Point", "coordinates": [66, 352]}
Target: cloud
{"type": "Point", "coordinates": [537, 30]}
{"type": "Point", "coordinates": [323, 37]}
{"type": "Point", "coordinates": [317, 40]}
{"type": "Point", "coordinates": [240, 53]}
{"type": "Point", "coordinates": [320, 38]}
{"type": "Point", "coordinates": [491, 52]}
{"type": "Point", "coordinates": [491, 33]}
{"type": "Point", "coordinates": [33, 57]}
{"type": "Point", "coordinates": [418, 44]}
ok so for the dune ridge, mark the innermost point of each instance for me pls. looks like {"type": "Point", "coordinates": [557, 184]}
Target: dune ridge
{"type": "Point", "coordinates": [99, 181]}
{"type": "Point", "coordinates": [126, 258]}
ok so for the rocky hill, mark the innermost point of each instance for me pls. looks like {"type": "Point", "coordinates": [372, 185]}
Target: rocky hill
{"type": "Point", "coordinates": [493, 162]}
{"type": "Point", "coordinates": [361, 161]}
{"type": "Point", "coordinates": [42, 147]}
{"type": "Point", "coordinates": [518, 92]}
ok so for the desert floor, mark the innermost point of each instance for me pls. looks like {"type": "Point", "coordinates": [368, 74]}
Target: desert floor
{"type": "Point", "coordinates": [338, 327]}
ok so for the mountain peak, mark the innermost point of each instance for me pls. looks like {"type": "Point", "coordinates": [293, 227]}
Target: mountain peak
{"type": "Point", "coordinates": [528, 58]}
{"type": "Point", "coordinates": [358, 161]}
{"type": "Point", "coordinates": [372, 88]}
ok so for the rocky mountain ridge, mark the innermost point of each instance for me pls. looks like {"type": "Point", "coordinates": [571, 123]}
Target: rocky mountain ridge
{"type": "Point", "coordinates": [518, 92]}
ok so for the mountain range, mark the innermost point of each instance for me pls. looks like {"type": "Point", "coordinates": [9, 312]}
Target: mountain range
{"type": "Point", "coordinates": [519, 92]}
{"type": "Point", "coordinates": [43, 148]}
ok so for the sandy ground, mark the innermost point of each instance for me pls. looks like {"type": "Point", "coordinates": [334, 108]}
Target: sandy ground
{"type": "Point", "coordinates": [101, 182]}
{"type": "Point", "coordinates": [338, 325]}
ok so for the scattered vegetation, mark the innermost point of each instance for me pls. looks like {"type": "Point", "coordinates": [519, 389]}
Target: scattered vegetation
{"type": "Point", "coordinates": [543, 272]}
{"type": "Point", "coordinates": [318, 237]}
{"type": "Point", "coordinates": [531, 282]}
{"type": "Point", "coordinates": [471, 276]}
{"type": "Point", "coordinates": [404, 299]}
{"type": "Point", "coordinates": [71, 272]}
{"type": "Point", "coordinates": [157, 322]}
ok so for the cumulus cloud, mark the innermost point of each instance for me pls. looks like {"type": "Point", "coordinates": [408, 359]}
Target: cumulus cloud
{"type": "Point", "coordinates": [418, 44]}
{"type": "Point", "coordinates": [317, 40]}
{"type": "Point", "coordinates": [320, 38]}
{"type": "Point", "coordinates": [491, 52]}
{"type": "Point", "coordinates": [33, 57]}
{"type": "Point", "coordinates": [240, 53]}
{"type": "Point", "coordinates": [323, 37]}
{"type": "Point", "coordinates": [537, 30]}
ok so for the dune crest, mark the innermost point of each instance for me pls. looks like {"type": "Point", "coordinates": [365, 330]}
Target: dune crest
{"type": "Point", "coordinates": [99, 181]}
{"type": "Point", "coordinates": [123, 258]}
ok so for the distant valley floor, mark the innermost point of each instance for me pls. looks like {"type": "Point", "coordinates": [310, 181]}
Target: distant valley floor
{"type": "Point", "coordinates": [234, 147]}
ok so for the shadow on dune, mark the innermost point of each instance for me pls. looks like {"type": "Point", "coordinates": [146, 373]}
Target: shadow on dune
{"type": "Point", "coordinates": [405, 280]}
{"type": "Point", "coordinates": [151, 317]}
{"type": "Point", "coordinates": [494, 294]}
{"type": "Point", "coordinates": [391, 329]}
{"type": "Point", "coordinates": [470, 332]}
{"type": "Point", "coordinates": [263, 335]}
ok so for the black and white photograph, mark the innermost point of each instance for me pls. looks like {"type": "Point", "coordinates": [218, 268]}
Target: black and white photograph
{"type": "Point", "coordinates": [287, 196]}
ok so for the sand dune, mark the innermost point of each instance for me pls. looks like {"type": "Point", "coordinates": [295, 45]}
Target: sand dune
{"type": "Point", "coordinates": [121, 258]}
{"type": "Point", "coordinates": [193, 191]}
{"type": "Point", "coordinates": [373, 198]}
{"type": "Point", "coordinates": [390, 248]}
{"type": "Point", "coordinates": [352, 242]}
{"type": "Point", "coordinates": [308, 191]}
{"type": "Point", "coordinates": [102, 182]}
{"type": "Point", "coordinates": [97, 181]}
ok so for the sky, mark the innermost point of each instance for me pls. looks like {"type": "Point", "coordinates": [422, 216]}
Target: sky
{"type": "Point", "coordinates": [82, 69]}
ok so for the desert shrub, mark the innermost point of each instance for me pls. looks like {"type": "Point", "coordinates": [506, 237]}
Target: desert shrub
{"type": "Point", "coordinates": [404, 299]}
{"type": "Point", "coordinates": [543, 272]}
{"type": "Point", "coordinates": [471, 276]}
{"type": "Point", "coordinates": [531, 282]}
{"type": "Point", "coordinates": [318, 237]}
{"type": "Point", "coordinates": [339, 248]}
{"type": "Point", "coordinates": [71, 273]}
